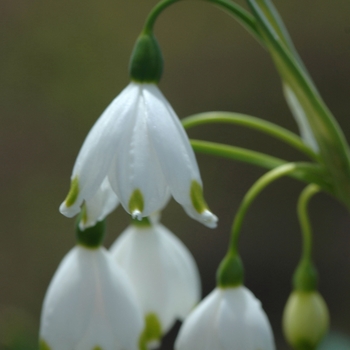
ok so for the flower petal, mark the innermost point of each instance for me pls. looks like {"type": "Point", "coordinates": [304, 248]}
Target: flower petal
{"type": "Point", "coordinates": [162, 271]}
{"type": "Point", "coordinates": [242, 323]}
{"type": "Point", "coordinates": [199, 331]}
{"type": "Point", "coordinates": [227, 319]}
{"type": "Point", "coordinates": [89, 304]}
{"type": "Point", "coordinates": [175, 154]}
{"type": "Point", "coordinates": [99, 206]}
{"type": "Point", "coordinates": [136, 167]}
{"type": "Point", "coordinates": [98, 150]}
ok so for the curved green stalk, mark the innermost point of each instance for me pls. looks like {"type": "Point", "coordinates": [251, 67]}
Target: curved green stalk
{"type": "Point", "coordinates": [304, 220]}
{"type": "Point", "coordinates": [254, 123]}
{"type": "Point", "coordinates": [305, 277]}
{"type": "Point", "coordinates": [244, 17]}
{"type": "Point", "coordinates": [250, 196]}
{"type": "Point", "coordinates": [241, 15]}
{"type": "Point", "coordinates": [156, 11]}
{"type": "Point", "coordinates": [310, 173]}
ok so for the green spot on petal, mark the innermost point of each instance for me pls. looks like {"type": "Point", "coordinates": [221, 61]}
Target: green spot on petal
{"type": "Point", "coordinates": [152, 331]}
{"type": "Point", "coordinates": [73, 192]}
{"type": "Point", "coordinates": [97, 348]}
{"type": "Point", "coordinates": [197, 198]}
{"type": "Point", "coordinates": [136, 202]}
{"type": "Point", "coordinates": [43, 345]}
{"type": "Point", "coordinates": [83, 214]}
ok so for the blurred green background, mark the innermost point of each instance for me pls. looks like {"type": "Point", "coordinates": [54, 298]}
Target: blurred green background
{"type": "Point", "coordinates": [62, 62]}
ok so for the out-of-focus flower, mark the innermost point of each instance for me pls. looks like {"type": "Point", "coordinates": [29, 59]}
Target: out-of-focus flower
{"type": "Point", "coordinates": [227, 319]}
{"type": "Point", "coordinates": [305, 319]}
{"type": "Point", "coordinates": [90, 304]}
{"type": "Point", "coordinates": [162, 271]}
{"type": "Point", "coordinates": [141, 146]}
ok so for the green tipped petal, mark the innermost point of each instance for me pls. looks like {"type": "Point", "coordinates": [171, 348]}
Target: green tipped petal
{"type": "Point", "coordinates": [152, 331]}
{"type": "Point", "coordinates": [197, 198]}
{"type": "Point", "coordinates": [136, 203]}
{"type": "Point", "coordinates": [43, 345]}
{"type": "Point", "coordinates": [73, 192]}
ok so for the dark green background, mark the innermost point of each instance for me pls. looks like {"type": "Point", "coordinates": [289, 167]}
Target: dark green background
{"type": "Point", "coordinates": [62, 62]}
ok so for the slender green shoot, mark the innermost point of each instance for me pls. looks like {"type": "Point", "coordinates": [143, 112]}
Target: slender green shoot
{"type": "Point", "coordinates": [252, 122]}
{"type": "Point", "coordinates": [304, 220]}
{"type": "Point", "coordinates": [156, 11]}
{"type": "Point", "coordinates": [309, 173]}
{"type": "Point", "coordinates": [250, 196]}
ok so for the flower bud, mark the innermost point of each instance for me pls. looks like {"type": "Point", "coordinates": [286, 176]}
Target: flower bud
{"type": "Point", "coordinates": [305, 319]}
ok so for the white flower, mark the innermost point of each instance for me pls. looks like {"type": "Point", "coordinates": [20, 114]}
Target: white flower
{"type": "Point", "coordinates": [162, 271]}
{"type": "Point", "coordinates": [227, 319]}
{"type": "Point", "coordinates": [141, 146]}
{"type": "Point", "coordinates": [90, 305]}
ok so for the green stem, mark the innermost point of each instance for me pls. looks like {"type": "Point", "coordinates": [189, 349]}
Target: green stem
{"type": "Point", "coordinates": [304, 220]}
{"type": "Point", "coordinates": [250, 196]}
{"type": "Point", "coordinates": [305, 277]}
{"type": "Point", "coordinates": [156, 11]}
{"type": "Point", "coordinates": [310, 173]}
{"type": "Point", "coordinates": [242, 16]}
{"type": "Point", "coordinates": [254, 123]}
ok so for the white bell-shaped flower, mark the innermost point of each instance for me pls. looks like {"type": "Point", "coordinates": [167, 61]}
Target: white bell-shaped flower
{"type": "Point", "coordinates": [227, 319]}
{"type": "Point", "coordinates": [162, 271]}
{"type": "Point", "coordinates": [90, 305]}
{"type": "Point", "coordinates": [140, 144]}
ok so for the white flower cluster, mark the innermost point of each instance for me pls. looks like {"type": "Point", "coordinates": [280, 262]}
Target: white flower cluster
{"type": "Point", "coordinates": [129, 297]}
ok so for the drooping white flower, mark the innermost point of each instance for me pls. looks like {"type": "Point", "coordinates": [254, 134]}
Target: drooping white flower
{"type": "Point", "coordinates": [162, 271]}
{"type": "Point", "coordinates": [90, 304]}
{"type": "Point", "coordinates": [227, 319]}
{"type": "Point", "coordinates": [140, 144]}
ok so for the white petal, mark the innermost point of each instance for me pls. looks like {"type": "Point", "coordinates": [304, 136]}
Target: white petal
{"type": "Point", "coordinates": [136, 166]}
{"type": "Point", "coordinates": [162, 271]}
{"type": "Point", "coordinates": [99, 148]}
{"type": "Point", "coordinates": [199, 331]}
{"type": "Point", "coordinates": [175, 154]}
{"type": "Point", "coordinates": [90, 303]}
{"type": "Point", "coordinates": [300, 117]}
{"type": "Point", "coordinates": [228, 319]}
{"type": "Point", "coordinates": [99, 206]}
{"type": "Point", "coordinates": [171, 144]}
{"type": "Point", "coordinates": [242, 323]}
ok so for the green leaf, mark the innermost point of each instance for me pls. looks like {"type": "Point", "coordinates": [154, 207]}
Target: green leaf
{"type": "Point", "coordinates": [334, 149]}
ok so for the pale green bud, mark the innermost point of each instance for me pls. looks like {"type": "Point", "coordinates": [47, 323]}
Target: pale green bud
{"type": "Point", "coordinates": [305, 320]}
